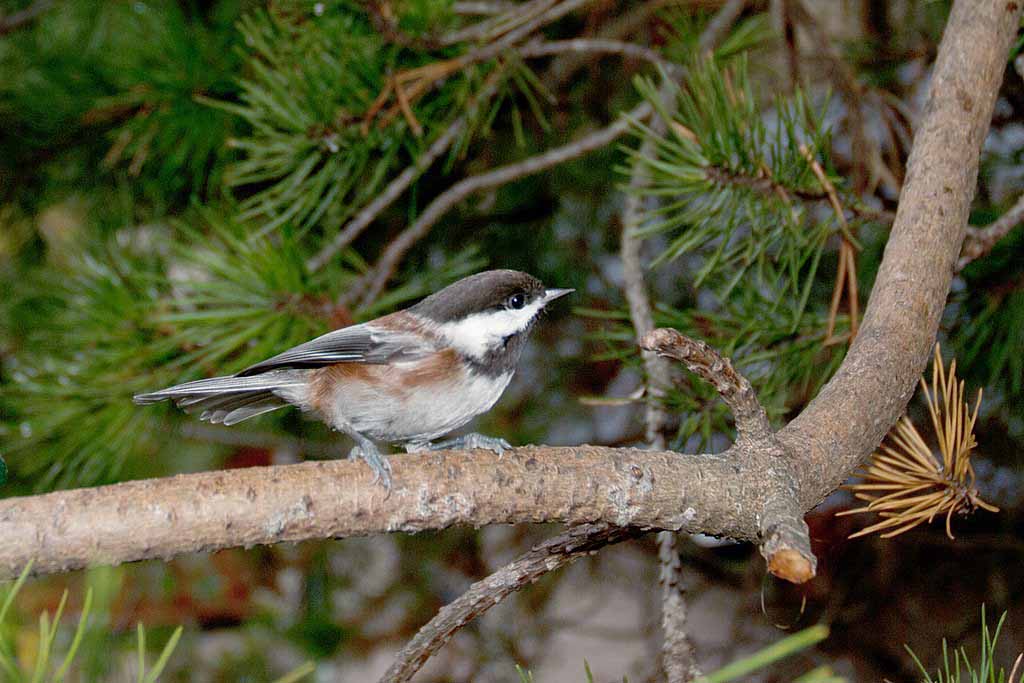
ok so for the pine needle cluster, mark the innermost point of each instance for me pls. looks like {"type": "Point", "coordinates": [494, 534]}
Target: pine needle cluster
{"type": "Point", "coordinates": [905, 483]}
{"type": "Point", "coordinates": [739, 203]}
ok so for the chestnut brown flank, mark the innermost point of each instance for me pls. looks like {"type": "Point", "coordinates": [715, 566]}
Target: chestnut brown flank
{"type": "Point", "coordinates": [436, 369]}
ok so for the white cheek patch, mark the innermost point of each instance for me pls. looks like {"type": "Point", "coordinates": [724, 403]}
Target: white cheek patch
{"type": "Point", "coordinates": [479, 333]}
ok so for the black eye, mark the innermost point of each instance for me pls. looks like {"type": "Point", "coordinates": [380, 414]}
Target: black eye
{"type": "Point", "coordinates": [516, 301]}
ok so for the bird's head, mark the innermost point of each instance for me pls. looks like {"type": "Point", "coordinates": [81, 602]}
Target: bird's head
{"type": "Point", "coordinates": [485, 314]}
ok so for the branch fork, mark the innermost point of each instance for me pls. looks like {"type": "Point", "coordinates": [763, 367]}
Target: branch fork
{"type": "Point", "coordinates": [784, 536]}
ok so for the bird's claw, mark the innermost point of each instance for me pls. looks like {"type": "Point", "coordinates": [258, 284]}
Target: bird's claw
{"type": "Point", "coordinates": [377, 461]}
{"type": "Point", "coordinates": [473, 441]}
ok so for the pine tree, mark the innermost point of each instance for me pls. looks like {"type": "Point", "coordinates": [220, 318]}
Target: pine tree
{"type": "Point", "coordinates": [189, 187]}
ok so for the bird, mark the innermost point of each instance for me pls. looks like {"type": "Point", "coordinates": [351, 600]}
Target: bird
{"type": "Point", "coordinates": [408, 378]}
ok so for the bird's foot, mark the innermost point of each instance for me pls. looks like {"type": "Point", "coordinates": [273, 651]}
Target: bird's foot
{"type": "Point", "coordinates": [471, 441]}
{"type": "Point", "coordinates": [369, 452]}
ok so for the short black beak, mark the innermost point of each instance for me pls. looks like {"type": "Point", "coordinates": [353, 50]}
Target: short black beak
{"type": "Point", "coordinates": [552, 294]}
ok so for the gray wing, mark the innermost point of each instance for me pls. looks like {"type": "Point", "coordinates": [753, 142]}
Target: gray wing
{"type": "Point", "coordinates": [356, 344]}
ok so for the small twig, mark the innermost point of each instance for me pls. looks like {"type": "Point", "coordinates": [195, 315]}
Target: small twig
{"type": "Point", "coordinates": [392, 192]}
{"type": "Point", "coordinates": [500, 23]}
{"type": "Point", "coordinates": [635, 18]}
{"type": "Point", "coordinates": [846, 274]}
{"type": "Point", "coordinates": [525, 28]}
{"type": "Point", "coordinates": [980, 241]}
{"type": "Point", "coordinates": [374, 282]}
{"type": "Point", "coordinates": [677, 654]}
{"type": "Point", "coordinates": [482, 8]}
{"type": "Point", "coordinates": [657, 369]}
{"type": "Point", "coordinates": [720, 25]}
{"type": "Point", "coordinates": [546, 557]}
{"type": "Point", "coordinates": [678, 660]}
{"type": "Point", "coordinates": [785, 538]}
{"type": "Point", "coordinates": [765, 184]}
{"type": "Point", "coordinates": [16, 20]}
{"type": "Point", "coordinates": [401, 182]}
{"type": "Point", "coordinates": [599, 45]}
{"type": "Point", "coordinates": [863, 147]}
{"type": "Point", "coordinates": [752, 424]}
{"type": "Point", "coordinates": [386, 23]}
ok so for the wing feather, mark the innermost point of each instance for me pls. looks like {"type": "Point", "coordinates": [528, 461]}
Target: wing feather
{"type": "Point", "coordinates": [363, 343]}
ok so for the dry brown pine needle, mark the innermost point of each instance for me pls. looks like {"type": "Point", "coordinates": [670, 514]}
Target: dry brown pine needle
{"type": "Point", "coordinates": [905, 482]}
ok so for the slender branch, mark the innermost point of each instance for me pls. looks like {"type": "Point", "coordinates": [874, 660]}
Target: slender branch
{"type": "Point", "coordinates": [374, 282]}
{"type": "Point", "coordinates": [658, 371]}
{"type": "Point", "coordinates": [599, 46]}
{"type": "Point", "coordinates": [529, 14]}
{"type": "Point", "coordinates": [767, 185]}
{"type": "Point", "coordinates": [677, 658]}
{"type": "Point", "coordinates": [980, 241]}
{"type": "Point", "coordinates": [392, 192]}
{"type": "Point", "coordinates": [518, 25]}
{"type": "Point", "coordinates": [403, 180]}
{"type": "Point", "coordinates": [863, 147]}
{"type": "Point", "coordinates": [631, 21]}
{"type": "Point", "coordinates": [16, 20]}
{"type": "Point", "coordinates": [396, 187]}
{"type": "Point", "coordinates": [549, 556]}
{"type": "Point", "coordinates": [677, 655]}
{"type": "Point", "coordinates": [482, 8]}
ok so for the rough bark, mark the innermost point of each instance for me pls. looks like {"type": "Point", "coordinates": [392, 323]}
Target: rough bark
{"type": "Point", "coordinates": [161, 518]}
{"type": "Point", "coordinates": [852, 413]}
{"type": "Point", "coordinates": [727, 494]}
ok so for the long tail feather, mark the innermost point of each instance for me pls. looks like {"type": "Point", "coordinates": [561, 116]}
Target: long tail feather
{"type": "Point", "coordinates": [230, 400]}
{"type": "Point", "coordinates": [224, 385]}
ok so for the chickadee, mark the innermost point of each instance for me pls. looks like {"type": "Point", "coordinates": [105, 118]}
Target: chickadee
{"type": "Point", "coordinates": [409, 377]}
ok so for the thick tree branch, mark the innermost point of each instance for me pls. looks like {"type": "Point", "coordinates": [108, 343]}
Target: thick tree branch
{"type": "Point", "coordinates": [852, 413]}
{"type": "Point", "coordinates": [980, 241]}
{"type": "Point", "coordinates": [551, 555]}
{"type": "Point", "coordinates": [161, 518]}
{"type": "Point", "coordinates": [785, 537]}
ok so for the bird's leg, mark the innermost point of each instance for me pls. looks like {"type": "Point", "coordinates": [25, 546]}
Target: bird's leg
{"type": "Point", "coordinates": [471, 441]}
{"type": "Point", "coordinates": [368, 451]}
